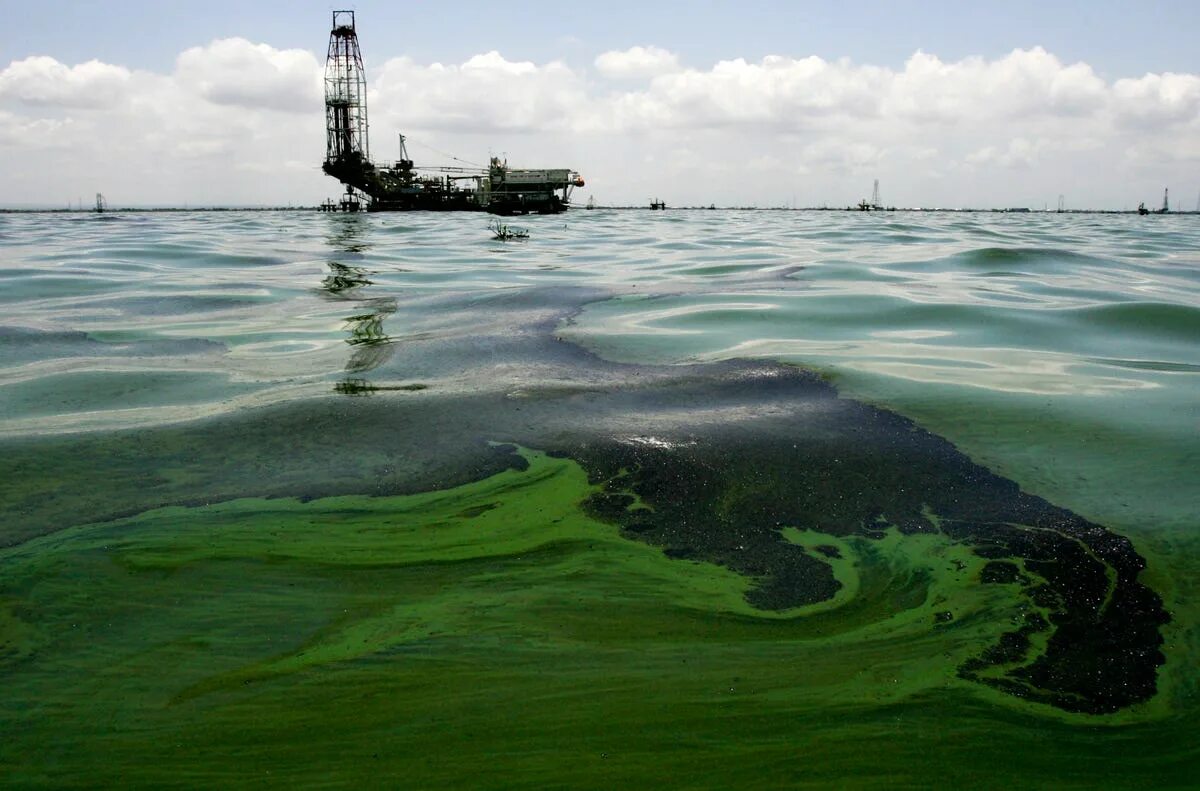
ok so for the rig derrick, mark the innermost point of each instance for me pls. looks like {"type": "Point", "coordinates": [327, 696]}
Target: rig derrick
{"type": "Point", "coordinates": [401, 186]}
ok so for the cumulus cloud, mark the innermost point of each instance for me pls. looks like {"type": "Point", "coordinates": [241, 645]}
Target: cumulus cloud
{"type": "Point", "coordinates": [238, 73]}
{"type": "Point", "coordinates": [636, 62]}
{"type": "Point", "coordinates": [1025, 123]}
{"type": "Point", "coordinates": [1023, 84]}
{"type": "Point", "coordinates": [160, 138]}
{"type": "Point", "coordinates": [779, 91]}
{"type": "Point", "coordinates": [802, 92]}
{"type": "Point", "coordinates": [37, 133]}
{"type": "Point", "coordinates": [1021, 152]}
{"type": "Point", "coordinates": [841, 156]}
{"type": "Point", "coordinates": [485, 93]}
{"type": "Point", "coordinates": [40, 80]}
{"type": "Point", "coordinates": [1158, 99]}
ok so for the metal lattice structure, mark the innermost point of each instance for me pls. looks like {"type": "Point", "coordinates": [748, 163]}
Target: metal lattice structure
{"type": "Point", "coordinates": [345, 95]}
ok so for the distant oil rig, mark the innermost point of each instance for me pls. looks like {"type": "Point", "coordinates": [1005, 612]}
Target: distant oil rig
{"type": "Point", "coordinates": [875, 204]}
{"type": "Point", "coordinates": [401, 186]}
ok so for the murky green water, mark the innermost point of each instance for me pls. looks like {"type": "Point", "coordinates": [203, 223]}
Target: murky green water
{"type": "Point", "coordinates": [376, 499]}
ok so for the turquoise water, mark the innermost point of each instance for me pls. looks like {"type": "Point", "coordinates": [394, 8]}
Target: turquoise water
{"type": "Point", "coordinates": [188, 359]}
{"type": "Point", "coordinates": [1073, 329]}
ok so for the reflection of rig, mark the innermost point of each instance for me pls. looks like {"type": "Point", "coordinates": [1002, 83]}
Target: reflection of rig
{"type": "Point", "coordinates": [498, 188]}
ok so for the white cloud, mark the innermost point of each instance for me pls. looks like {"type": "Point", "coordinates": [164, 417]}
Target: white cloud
{"type": "Point", "coordinates": [1023, 84]}
{"type": "Point", "coordinates": [1021, 152]}
{"type": "Point", "coordinates": [777, 91]}
{"type": "Point", "coordinates": [841, 156]}
{"type": "Point", "coordinates": [180, 137]}
{"type": "Point", "coordinates": [636, 62]}
{"type": "Point", "coordinates": [486, 93]}
{"type": "Point", "coordinates": [238, 73]}
{"type": "Point", "coordinates": [1158, 99]}
{"type": "Point", "coordinates": [40, 80]}
{"type": "Point", "coordinates": [805, 92]}
{"type": "Point", "coordinates": [36, 133]}
{"type": "Point", "coordinates": [493, 63]}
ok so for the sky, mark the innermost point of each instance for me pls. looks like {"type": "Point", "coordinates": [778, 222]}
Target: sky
{"type": "Point", "coordinates": [735, 103]}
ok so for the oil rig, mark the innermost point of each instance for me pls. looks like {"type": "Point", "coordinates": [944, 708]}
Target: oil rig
{"type": "Point", "coordinates": [401, 186]}
{"type": "Point", "coordinates": [875, 204]}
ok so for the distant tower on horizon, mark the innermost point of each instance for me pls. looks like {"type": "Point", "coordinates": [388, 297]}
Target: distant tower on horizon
{"type": "Point", "coordinates": [1062, 204]}
{"type": "Point", "coordinates": [1166, 206]}
{"type": "Point", "coordinates": [875, 203]}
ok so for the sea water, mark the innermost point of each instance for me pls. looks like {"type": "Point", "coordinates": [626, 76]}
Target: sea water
{"type": "Point", "coordinates": [698, 497]}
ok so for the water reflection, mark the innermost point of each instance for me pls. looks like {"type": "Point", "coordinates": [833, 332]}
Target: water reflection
{"type": "Point", "coordinates": [368, 337]}
{"type": "Point", "coordinates": [347, 233]}
{"type": "Point", "coordinates": [343, 278]}
{"type": "Point", "coordinates": [372, 346]}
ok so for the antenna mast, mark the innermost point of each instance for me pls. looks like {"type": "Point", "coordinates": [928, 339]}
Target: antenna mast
{"type": "Point", "coordinates": [345, 94]}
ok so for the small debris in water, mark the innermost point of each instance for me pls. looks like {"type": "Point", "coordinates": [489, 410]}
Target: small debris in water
{"type": "Point", "coordinates": [503, 233]}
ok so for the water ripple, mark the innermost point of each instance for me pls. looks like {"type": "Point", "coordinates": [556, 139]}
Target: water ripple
{"type": "Point", "coordinates": [280, 303]}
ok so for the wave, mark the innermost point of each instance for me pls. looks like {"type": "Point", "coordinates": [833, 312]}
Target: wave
{"type": "Point", "coordinates": [1165, 320]}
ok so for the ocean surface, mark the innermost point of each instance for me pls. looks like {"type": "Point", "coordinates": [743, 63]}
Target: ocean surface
{"type": "Point", "coordinates": [693, 498]}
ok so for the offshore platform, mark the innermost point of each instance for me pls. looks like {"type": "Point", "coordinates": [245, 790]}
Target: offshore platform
{"type": "Point", "coordinates": [401, 186]}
